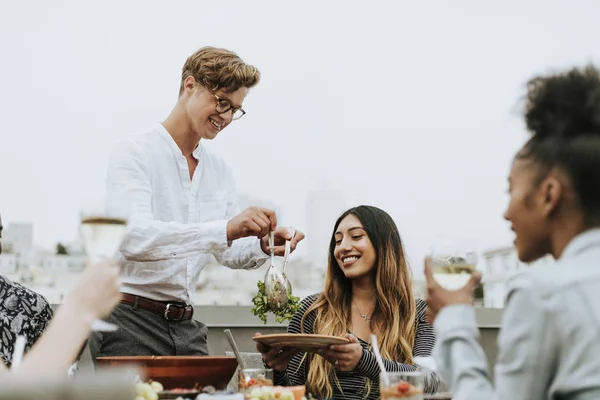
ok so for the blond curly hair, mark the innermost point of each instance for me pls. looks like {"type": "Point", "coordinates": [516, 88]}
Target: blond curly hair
{"type": "Point", "coordinates": [216, 68]}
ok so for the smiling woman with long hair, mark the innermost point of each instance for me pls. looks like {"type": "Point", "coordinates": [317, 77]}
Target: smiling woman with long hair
{"type": "Point", "coordinates": [367, 291]}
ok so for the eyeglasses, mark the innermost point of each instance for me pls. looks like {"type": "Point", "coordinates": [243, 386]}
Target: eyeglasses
{"type": "Point", "coordinates": [224, 106]}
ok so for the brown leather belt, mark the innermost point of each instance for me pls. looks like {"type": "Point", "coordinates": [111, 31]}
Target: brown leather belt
{"type": "Point", "coordinates": [171, 311]}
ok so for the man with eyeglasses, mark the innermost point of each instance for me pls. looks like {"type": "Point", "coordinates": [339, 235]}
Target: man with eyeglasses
{"type": "Point", "coordinates": [182, 210]}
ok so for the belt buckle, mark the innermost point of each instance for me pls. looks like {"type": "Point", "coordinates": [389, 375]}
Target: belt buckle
{"type": "Point", "coordinates": [168, 307]}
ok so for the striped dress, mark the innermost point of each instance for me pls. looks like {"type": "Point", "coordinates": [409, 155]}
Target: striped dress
{"type": "Point", "coordinates": [353, 383]}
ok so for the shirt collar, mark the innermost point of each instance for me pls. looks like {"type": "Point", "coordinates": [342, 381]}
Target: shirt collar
{"type": "Point", "coordinates": [171, 142]}
{"type": "Point", "coordinates": [582, 243]}
{"type": "Point", "coordinates": [197, 151]}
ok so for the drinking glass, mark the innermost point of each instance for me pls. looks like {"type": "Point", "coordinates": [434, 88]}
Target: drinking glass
{"type": "Point", "coordinates": [250, 378]}
{"type": "Point", "coordinates": [453, 261]}
{"type": "Point", "coordinates": [402, 386]}
{"type": "Point", "coordinates": [102, 230]}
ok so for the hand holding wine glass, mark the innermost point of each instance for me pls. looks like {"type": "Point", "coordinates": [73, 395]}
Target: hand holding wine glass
{"type": "Point", "coordinates": [102, 231]}
{"type": "Point", "coordinates": [451, 275]}
{"type": "Point", "coordinates": [98, 290]}
{"type": "Point", "coordinates": [453, 261]}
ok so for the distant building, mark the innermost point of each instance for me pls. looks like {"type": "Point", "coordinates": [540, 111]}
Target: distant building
{"type": "Point", "coordinates": [220, 285]}
{"type": "Point", "coordinates": [19, 238]}
{"type": "Point", "coordinates": [8, 264]}
{"type": "Point", "coordinates": [419, 289]}
{"type": "Point", "coordinates": [501, 265]}
{"type": "Point", "coordinates": [62, 263]}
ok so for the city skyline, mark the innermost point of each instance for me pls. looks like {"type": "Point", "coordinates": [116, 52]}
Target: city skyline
{"type": "Point", "coordinates": [54, 275]}
{"type": "Point", "coordinates": [323, 207]}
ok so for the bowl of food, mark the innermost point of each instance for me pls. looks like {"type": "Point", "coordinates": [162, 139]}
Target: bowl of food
{"type": "Point", "coordinates": [254, 377]}
{"type": "Point", "coordinates": [402, 386]}
{"type": "Point", "coordinates": [178, 372]}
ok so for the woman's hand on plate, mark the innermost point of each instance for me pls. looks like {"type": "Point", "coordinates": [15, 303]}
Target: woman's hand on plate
{"type": "Point", "coordinates": [276, 358]}
{"type": "Point", "coordinates": [344, 357]}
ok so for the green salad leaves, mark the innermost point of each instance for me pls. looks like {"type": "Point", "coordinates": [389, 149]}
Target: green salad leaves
{"type": "Point", "coordinates": [261, 307]}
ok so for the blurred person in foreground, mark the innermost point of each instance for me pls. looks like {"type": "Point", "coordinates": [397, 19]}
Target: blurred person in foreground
{"type": "Point", "coordinates": [549, 345]}
{"type": "Point", "coordinates": [22, 312]}
{"type": "Point", "coordinates": [183, 210]}
{"type": "Point", "coordinates": [95, 295]}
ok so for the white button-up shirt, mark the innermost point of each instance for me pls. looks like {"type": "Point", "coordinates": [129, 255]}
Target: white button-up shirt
{"type": "Point", "coordinates": [549, 344]}
{"type": "Point", "coordinates": [175, 224]}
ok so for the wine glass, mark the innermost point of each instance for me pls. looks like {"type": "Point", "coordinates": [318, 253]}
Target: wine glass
{"type": "Point", "coordinates": [409, 385]}
{"type": "Point", "coordinates": [102, 230]}
{"type": "Point", "coordinates": [453, 261]}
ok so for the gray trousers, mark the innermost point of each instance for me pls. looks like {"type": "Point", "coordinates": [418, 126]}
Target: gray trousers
{"type": "Point", "coordinates": [142, 333]}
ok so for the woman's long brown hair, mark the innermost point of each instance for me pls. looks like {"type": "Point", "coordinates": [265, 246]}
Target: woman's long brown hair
{"type": "Point", "coordinates": [393, 319]}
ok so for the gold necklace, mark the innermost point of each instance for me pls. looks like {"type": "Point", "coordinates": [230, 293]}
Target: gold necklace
{"type": "Point", "coordinates": [363, 316]}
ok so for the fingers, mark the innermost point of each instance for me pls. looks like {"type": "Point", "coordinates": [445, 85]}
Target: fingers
{"type": "Point", "coordinates": [428, 268]}
{"type": "Point", "coordinates": [284, 358]}
{"type": "Point", "coordinates": [430, 316]}
{"type": "Point", "coordinates": [431, 283]}
{"type": "Point", "coordinates": [333, 355]}
{"type": "Point", "coordinates": [329, 355]}
{"type": "Point", "coordinates": [252, 228]}
{"type": "Point", "coordinates": [475, 279]}
{"type": "Point", "coordinates": [472, 283]}
{"type": "Point", "coordinates": [279, 250]}
{"type": "Point", "coordinates": [270, 214]}
{"type": "Point", "coordinates": [262, 348]}
{"type": "Point", "coordinates": [341, 348]}
{"type": "Point", "coordinates": [278, 359]}
{"type": "Point", "coordinates": [283, 234]}
{"type": "Point", "coordinates": [352, 338]}
{"type": "Point", "coordinates": [263, 224]}
{"type": "Point", "coordinates": [340, 360]}
{"type": "Point", "coordinates": [345, 348]}
{"type": "Point", "coordinates": [296, 239]}
{"type": "Point", "coordinates": [254, 221]}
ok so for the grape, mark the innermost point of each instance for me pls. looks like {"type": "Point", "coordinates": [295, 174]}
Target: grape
{"type": "Point", "coordinates": [151, 395]}
{"type": "Point", "coordinates": [157, 386]}
{"type": "Point", "coordinates": [140, 389]}
{"type": "Point", "coordinates": [147, 391]}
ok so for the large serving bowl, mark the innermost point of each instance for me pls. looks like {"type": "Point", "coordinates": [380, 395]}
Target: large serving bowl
{"type": "Point", "coordinates": [179, 371]}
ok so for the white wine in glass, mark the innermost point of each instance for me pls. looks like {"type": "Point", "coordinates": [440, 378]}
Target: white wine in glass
{"type": "Point", "coordinates": [102, 236]}
{"type": "Point", "coordinates": [453, 261]}
{"type": "Point", "coordinates": [102, 233]}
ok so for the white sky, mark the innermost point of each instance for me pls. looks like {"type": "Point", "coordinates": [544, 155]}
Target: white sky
{"type": "Point", "coordinates": [410, 106]}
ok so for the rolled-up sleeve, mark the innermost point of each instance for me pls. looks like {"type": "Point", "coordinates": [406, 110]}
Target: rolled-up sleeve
{"type": "Point", "coordinates": [244, 253]}
{"type": "Point", "coordinates": [523, 367]}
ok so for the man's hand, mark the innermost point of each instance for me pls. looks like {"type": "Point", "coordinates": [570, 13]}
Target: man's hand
{"type": "Point", "coordinates": [253, 221]}
{"type": "Point", "coordinates": [281, 235]}
{"type": "Point", "coordinates": [438, 297]}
